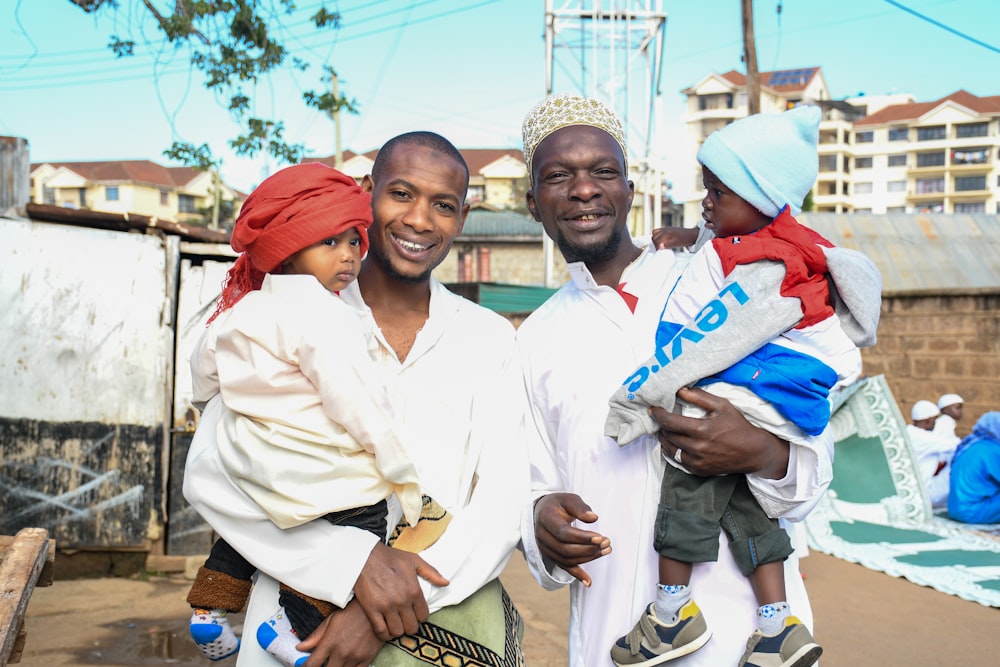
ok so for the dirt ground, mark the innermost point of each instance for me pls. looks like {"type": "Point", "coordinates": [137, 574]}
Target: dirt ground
{"type": "Point", "coordinates": [863, 618]}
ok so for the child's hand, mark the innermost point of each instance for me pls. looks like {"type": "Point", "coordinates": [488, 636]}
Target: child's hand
{"type": "Point", "coordinates": [674, 237]}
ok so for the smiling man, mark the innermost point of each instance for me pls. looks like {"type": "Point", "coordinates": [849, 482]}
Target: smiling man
{"type": "Point", "coordinates": [594, 502]}
{"type": "Point", "coordinates": [451, 369]}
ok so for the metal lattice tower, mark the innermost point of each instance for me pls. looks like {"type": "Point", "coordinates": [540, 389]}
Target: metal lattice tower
{"type": "Point", "coordinates": [612, 50]}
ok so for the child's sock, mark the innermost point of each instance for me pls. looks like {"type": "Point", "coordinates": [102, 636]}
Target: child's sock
{"type": "Point", "coordinates": [212, 633]}
{"type": "Point", "coordinates": [669, 600]}
{"type": "Point", "coordinates": [771, 617]}
{"type": "Point", "coordinates": [275, 635]}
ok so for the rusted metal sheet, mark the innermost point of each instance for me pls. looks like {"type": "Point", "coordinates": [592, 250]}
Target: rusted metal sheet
{"type": "Point", "coordinates": [926, 254]}
{"type": "Point", "coordinates": [86, 323]}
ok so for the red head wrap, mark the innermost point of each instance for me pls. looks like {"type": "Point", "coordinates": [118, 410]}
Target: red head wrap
{"type": "Point", "coordinates": [293, 209]}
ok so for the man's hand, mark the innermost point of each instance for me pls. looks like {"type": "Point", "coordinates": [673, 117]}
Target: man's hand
{"type": "Point", "coordinates": [389, 593]}
{"type": "Point", "coordinates": [563, 543]}
{"type": "Point", "coordinates": [343, 639]}
{"type": "Point", "coordinates": [674, 237]}
{"type": "Point", "coordinates": [722, 442]}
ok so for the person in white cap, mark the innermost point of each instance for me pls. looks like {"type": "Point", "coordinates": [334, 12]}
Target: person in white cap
{"type": "Point", "coordinates": [951, 407]}
{"type": "Point", "coordinates": [576, 350]}
{"type": "Point", "coordinates": [933, 452]}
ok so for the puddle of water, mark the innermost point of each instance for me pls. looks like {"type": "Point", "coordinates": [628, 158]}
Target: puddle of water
{"type": "Point", "coordinates": [144, 642]}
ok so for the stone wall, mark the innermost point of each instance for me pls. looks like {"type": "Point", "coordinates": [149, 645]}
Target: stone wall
{"type": "Point", "coordinates": [933, 345]}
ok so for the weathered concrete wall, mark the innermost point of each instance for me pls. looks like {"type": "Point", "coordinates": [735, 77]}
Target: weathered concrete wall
{"type": "Point", "coordinates": [933, 345]}
{"type": "Point", "coordinates": [86, 325]}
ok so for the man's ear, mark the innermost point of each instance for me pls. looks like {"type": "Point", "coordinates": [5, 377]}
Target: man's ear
{"type": "Point", "coordinates": [465, 216]}
{"type": "Point", "coordinates": [367, 184]}
{"type": "Point", "coordinates": [529, 199]}
{"type": "Point", "coordinates": [631, 193]}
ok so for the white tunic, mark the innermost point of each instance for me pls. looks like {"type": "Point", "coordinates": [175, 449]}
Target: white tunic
{"type": "Point", "coordinates": [576, 349]}
{"type": "Point", "coordinates": [459, 402]}
{"type": "Point", "coordinates": [307, 427]}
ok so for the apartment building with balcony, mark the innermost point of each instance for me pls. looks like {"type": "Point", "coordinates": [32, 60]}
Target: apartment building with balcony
{"type": "Point", "coordinates": [928, 157]}
{"type": "Point", "coordinates": [877, 154]}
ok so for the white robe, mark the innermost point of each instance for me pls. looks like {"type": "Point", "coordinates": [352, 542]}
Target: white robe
{"type": "Point", "coordinates": [576, 350]}
{"type": "Point", "coordinates": [459, 399]}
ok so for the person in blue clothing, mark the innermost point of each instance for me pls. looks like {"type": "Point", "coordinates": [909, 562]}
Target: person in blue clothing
{"type": "Point", "coordinates": [975, 474]}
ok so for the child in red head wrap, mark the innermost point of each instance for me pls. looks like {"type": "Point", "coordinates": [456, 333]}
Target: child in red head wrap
{"type": "Point", "coordinates": [307, 429]}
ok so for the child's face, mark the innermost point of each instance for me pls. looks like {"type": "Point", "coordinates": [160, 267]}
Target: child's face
{"type": "Point", "coordinates": [725, 212]}
{"type": "Point", "coordinates": [333, 262]}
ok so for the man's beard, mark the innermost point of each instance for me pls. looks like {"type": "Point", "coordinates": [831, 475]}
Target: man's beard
{"type": "Point", "coordinates": [590, 254]}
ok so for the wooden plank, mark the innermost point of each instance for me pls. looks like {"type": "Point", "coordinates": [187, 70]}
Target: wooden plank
{"type": "Point", "coordinates": [48, 570]}
{"type": "Point", "coordinates": [20, 570]}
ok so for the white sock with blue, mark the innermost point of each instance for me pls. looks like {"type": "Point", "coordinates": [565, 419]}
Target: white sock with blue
{"type": "Point", "coordinates": [771, 617]}
{"type": "Point", "coordinates": [212, 633]}
{"type": "Point", "coordinates": [670, 600]}
{"type": "Point", "coordinates": [275, 635]}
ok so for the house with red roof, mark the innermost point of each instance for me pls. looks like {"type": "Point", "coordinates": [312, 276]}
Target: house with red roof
{"type": "Point", "coordinates": [178, 194]}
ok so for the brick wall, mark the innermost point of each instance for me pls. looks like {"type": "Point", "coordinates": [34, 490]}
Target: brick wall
{"type": "Point", "coordinates": [933, 345]}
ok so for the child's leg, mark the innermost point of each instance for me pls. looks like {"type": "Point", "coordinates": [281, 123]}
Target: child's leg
{"type": "Point", "coordinates": [768, 583]}
{"type": "Point", "coordinates": [221, 586]}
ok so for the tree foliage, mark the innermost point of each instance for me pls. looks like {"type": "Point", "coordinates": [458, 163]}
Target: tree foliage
{"type": "Point", "coordinates": [232, 43]}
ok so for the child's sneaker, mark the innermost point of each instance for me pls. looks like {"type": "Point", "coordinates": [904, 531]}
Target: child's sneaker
{"type": "Point", "coordinates": [792, 647]}
{"type": "Point", "coordinates": [652, 642]}
{"type": "Point", "coordinates": [211, 631]}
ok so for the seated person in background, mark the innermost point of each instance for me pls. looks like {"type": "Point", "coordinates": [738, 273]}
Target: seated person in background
{"type": "Point", "coordinates": [951, 407]}
{"type": "Point", "coordinates": [975, 475]}
{"type": "Point", "coordinates": [933, 452]}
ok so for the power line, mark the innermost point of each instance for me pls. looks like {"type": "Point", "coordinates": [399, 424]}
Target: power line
{"type": "Point", "coordinates": [953, 31]}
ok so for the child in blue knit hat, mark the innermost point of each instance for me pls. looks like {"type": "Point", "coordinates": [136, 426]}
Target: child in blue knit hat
{"type": "Point", "coordinates": [752, 319]}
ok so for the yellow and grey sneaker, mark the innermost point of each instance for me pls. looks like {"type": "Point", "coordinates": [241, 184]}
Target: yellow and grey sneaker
{"type": "Point", "coordinates": [792, 647]}
{"type": "Point", "coordinates": [652, 642]}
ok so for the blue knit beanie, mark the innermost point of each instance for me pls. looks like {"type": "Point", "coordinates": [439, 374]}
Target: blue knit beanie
{"type": "Point", "coordinates": [767, 159]}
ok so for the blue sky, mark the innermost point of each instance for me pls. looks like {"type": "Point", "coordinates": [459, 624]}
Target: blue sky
{"type": "Point", "coordinates": [468, 69]}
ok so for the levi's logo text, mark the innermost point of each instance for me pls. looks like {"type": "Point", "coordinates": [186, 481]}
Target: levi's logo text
{"type": "Point", "coordinates": [710, 318]}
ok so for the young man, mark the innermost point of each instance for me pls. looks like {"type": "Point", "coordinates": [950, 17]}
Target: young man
{"type": "Point", "coordinates": [452, 371]}
{"type": "Point", "coordinates": [577, 349]}
{"type": "Point", "coordinates": [933, 451]}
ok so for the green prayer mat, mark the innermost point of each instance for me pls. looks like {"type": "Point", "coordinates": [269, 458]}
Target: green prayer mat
{"type": "Point", "coordinates": [877, 513]}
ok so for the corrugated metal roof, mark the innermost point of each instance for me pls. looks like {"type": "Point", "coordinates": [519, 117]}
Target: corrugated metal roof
{"type": "Point", "coordinates": [932, 253]}
{"type": "Point", "coordinates": [499, 224]}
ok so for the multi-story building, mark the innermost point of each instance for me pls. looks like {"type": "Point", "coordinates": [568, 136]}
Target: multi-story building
{"type": "Point", "coordinates": [929, 157]}
{"type": "Point", "coordinates": [877, 154]}
{"type": "Point", "coordinates": [179, 194]}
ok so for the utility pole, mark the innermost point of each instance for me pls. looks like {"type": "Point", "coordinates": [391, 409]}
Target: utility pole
{"type": "Point", "coordinates": [750, 59]}
{"type": "Point", "coordinates": [217, 191]}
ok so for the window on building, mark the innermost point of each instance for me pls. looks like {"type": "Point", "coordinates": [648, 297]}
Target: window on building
{"type": "Point", "coordinates": [865, 211]}
{"type": "Point", "coordinates": [970, 156]}
{"type": "Point", "coordinates": [81, 194]}
{"type": "Point", "coordinates": [970, 207]}
{"type": "Point", "coordinates": [476, 193]}
{"type": "Point", "coordinates": [895, 209]}
{"type": "Point", "coordinates": [899, 133]}
{"type": "Point", "coordinates": [931, 207]}
{"type": "Point", "coordinates": [864, 137]}
{"type": "Point", "coordinates": [897, 160]}
{"type": "Point", "coordinates": [862, 163]}
{"type": "Point", "coordinates": [967, 183]}
{"type": "Point", "coordinates": [185, 204]}
{"type": "Point", "coordinates": [896, 186]}
{"type": "Point", "coordinates": [928, 185]}
{"type": "Point", "coordinates": [48, 195]}
{"type": "Point", "coordinates": [828, 163]}
{"type": "Point", "coordinates": [935, 159]}
{"type": "Point", "coordinates": [863, 188]}
{"type": "Point", "coordinates": [930, 133]}
{"type": "Point", "coordinates": [164, 197]}
{"type": "Point", "coordinates": [111, 193]}
{"type": "Point", "coordinates": [972, 130]}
